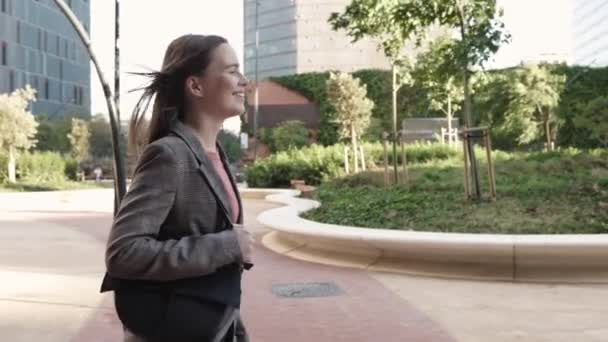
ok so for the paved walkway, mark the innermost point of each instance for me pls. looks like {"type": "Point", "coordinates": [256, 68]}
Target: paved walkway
{"type": "Point", "coordinates": [51, 263]}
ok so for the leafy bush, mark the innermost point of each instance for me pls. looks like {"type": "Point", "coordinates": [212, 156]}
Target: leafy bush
{"type": "Point", "coordinates": [41, 167]}
{"type": "Point", "coordinates": [540, 193]}
{"type": "Point", "coordinates": [289, 134]}
{"type": "Point", "coordinates": [315, 163]}
{"type": "Point", "coordinates": [491, 100]}
{"type": "Point", "coordinates": [231, 144]}
{"type": "Point", "coordinates": [72, 167]}
{"type": "Point", "coordinates": [106, 164]}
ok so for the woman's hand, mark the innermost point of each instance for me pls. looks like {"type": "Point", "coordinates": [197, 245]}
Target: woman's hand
{"type": "Point", "coordinates": [245, 240]}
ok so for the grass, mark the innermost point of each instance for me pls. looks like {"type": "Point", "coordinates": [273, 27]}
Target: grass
{"type": "Point", "coordinates": [52, 186]}
{"type": "Point", "coordinates": [541, 193]}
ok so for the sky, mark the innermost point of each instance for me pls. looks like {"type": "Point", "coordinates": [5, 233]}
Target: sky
{"type": "Point", "coordinates": [538, 28]}
{"type": "Point", "coordinates": [147, 28]}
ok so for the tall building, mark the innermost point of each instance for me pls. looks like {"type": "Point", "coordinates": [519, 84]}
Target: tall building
{"type": "Point", "coordinates": [39, 47]}
{"type": "Point", "coordinates": [590, 32]}
{"type": "Point", "coordinates": [295, 37]}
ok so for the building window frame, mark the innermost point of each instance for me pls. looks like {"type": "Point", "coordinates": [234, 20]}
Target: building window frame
{"type": "Point", "coordinates": [39, 39]}
{"type": "Point", "coordinates": [4, 54]}
{"type": "Point", "coordinates": [11, 80]}
{"type": "Point", "coordinates": [46, 88]}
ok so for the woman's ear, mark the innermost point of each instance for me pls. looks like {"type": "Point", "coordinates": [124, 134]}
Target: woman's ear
{"type": "Point", "coordinates": [194, 87]}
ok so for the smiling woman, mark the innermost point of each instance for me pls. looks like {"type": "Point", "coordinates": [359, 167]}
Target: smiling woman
{"type": "Point", "coordinates": [178, 246]}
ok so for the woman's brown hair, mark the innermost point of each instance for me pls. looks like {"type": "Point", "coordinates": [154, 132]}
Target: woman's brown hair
{"type": "Point", "coordinates": [186, 56]}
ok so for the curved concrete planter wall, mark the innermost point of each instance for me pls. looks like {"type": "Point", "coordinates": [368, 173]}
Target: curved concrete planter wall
{"type": "Point", "coordinates": [543, 258]}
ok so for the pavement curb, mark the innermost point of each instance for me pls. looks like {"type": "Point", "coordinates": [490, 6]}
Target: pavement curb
{"type": "Point", "coordinates": [520, 258]}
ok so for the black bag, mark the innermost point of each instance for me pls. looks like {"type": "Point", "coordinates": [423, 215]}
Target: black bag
{"type": "Point", "coordinates": [162, 315]}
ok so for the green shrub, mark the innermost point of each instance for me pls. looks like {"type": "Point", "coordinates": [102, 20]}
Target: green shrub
{"type": "Point", "coordinates": [289, 134]}
{"type": "Point", "coordinates": [106, 164]}
{"type": "Point", "coordinates": [72, 167]}
{"type": "Point", "coordinates": [41, 167]}
{"type": "Point", "coordinates": [231, 144]}
{"type": "Point", "coordinates": [315, 163]}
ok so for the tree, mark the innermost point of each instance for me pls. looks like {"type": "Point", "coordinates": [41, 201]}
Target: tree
{"type": "Point", "coordinates": [79, 139]}
{"type": "Point", "coordinates": [231, 144]}
{"type": "Point", "coordinates": [594, 117]}
{"type": "Point", "coordinates": [288, 134]}
{"type": "Point", "coordinates": [477, 23]}
{"type": "Point", "coordinates": [52, 135]}
{"type": "Point", "coordinates": [533, 110]}
{"type": "Point", "coordinates": [376, 19]}
{"type": "Point", "coordinates": [353, 108]}
{"type": "Point", "coordinates": [17, 125]}
{"type": "Point", "coordinates": [436, 72]}
{"type": "Point", "coordinates": [101, 137]}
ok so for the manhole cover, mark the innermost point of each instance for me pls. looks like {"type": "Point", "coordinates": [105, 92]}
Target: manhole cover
{"type": "Point", "coordinates": [306, 290]}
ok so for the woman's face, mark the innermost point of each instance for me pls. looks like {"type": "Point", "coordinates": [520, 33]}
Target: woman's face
{"type": "Point", "coordinates": [223, 84]}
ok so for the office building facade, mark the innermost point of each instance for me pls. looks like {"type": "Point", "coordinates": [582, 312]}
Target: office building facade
{"type": "Point", "coordinates": [295, 37]}
{"type": "Point", "coordinates": [590, 32]}
{"type": "Point", "coordinates": [39, 47]}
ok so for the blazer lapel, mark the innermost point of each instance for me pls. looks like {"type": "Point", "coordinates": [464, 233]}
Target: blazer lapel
{"type": "Point", "coordinates": [205, 166]}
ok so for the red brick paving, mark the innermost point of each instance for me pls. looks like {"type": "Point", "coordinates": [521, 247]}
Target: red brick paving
{"type": "Point", "coordinates": [365, 312]}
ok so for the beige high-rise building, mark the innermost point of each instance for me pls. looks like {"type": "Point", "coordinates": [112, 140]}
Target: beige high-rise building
{"type": "Point", "coordinates": [295, 37]}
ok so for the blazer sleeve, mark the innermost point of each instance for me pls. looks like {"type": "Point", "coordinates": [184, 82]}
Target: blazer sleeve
{"type": "Point", "coordinates": [133, 250]}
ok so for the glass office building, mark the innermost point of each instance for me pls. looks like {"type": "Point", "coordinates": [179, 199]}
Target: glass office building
{"type": "Point", "coordinates": [39, 47]}
{"type": "Point", "coordinates": [590, 32]}
{"type": "Point", "coordinates": [295, 37]}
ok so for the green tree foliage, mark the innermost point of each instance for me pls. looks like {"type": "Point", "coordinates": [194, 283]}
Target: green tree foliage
{"type": "Point", "coordinates": [101, 137]}
{"type": "Point", "coordinates": [594, 117]}
{"type": "Point", "coordinates": [312, 86]}
{"type": "Point", "coordinates": [288, 134]}
{"type": "Point", "coordinates": [17, 125]}
{"type": "Point", "coordinates": [477, 21]}
{"type": "Point", "coordinates": [436, 72]}
{"type": "Point", "coordinates": [492, 96]}
{"type": "Point", "coordinates": [532, 111]}
{"type": "Point", "coordinates": [231, 144]}
{"type": "Point", "coordinates": [52, 135]}
{"type": "Point", "coordinates": [79, 139]}
{"type": "Point", "coordinates": [379, 87]}
{"type": "Point", "coordinates": [353, 108]}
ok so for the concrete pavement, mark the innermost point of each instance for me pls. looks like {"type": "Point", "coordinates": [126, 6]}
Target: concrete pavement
{"type": "Point", "coordinates": [51, 263]}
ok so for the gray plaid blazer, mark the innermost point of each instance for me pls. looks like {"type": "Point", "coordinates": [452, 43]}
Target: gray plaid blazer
{"type": "Point", "coordinates": [166, 227]}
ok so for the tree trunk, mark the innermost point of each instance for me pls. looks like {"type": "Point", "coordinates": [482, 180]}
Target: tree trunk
{"type": "Point", "coordinates": [11, 165]}
{"type": "Point", "coordinates": [548, 131]}
{"type": "Point", "coordinates": [363, 167]}
{"type": "Point", "coordinates": [346, 167]}
{"type": "Point", "coordinates": [353, 138]}
{"type": "Point", "coordinates": [465, 64]}
{"type": "Point", "coordinates": [450, 120]}
{"type": "Point", "coordinates": [395, 89]}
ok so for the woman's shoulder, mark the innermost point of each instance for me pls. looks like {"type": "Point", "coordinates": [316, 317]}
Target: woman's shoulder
{"type": "Point", "coordinates": [171, 144]}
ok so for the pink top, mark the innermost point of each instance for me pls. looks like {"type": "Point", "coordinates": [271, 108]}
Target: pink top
{"type": "Point", "coordinates": [219, 168]}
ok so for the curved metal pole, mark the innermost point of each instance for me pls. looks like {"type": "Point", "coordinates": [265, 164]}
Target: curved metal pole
{"type": "Point", "coordinates": [119, 173]}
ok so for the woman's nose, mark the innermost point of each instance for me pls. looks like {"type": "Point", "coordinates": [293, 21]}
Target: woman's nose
{"type": "Point", "coordinates": [244, 81]}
